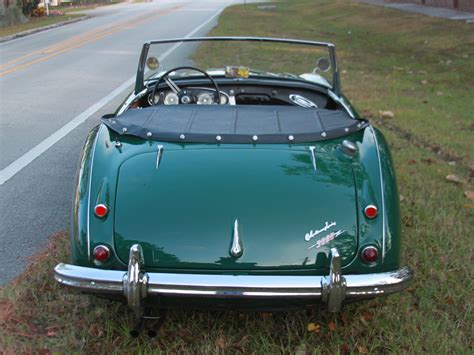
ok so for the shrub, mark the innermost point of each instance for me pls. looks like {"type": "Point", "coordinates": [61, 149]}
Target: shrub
{"type": "Point", "coordinates": [28, 6]}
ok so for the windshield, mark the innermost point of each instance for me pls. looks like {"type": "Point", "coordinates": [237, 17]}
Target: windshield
{"type": "Point", "coordinates": [241, 58]}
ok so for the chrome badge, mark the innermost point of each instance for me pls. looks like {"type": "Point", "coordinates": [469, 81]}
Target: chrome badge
{"type": "Point", "coordinates": [313, 234]}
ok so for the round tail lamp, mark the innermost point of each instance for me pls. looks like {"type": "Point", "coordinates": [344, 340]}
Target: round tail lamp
{"type": "Point", "coordinates": [101, 210]}
{"type": "Point", "coordinates": [101, 253]}
{"type": "Point", "coordinates": [371, 211]}
{"type": "Point", "coordinates": [369, 254]}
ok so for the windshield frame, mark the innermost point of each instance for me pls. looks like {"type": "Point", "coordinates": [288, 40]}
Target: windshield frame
{"type": "Point", "coordinates": [140, 85]}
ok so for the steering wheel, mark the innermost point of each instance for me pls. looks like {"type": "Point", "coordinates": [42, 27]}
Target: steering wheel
{"type": "Point", "coordinates": [175, 88]}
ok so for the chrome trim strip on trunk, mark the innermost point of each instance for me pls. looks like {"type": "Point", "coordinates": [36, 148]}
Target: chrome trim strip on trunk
{"type": "Point", "coordinates": [382, 193]}
{"type": "Point", "coordinates": [89, 194]}
{"type": "Point", "coordinates": [159, 153]}
{"type": "Point", "coordinates": [313, 156]}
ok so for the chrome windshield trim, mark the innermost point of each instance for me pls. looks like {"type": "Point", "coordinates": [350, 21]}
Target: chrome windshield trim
{"type": "Point", "coordinates": [341, 102]}
{"type": "Point", "coordinates": [139, 82]}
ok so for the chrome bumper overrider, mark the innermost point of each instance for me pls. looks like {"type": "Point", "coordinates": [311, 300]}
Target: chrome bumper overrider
{"type": "Point", "coordinates": [136, 284]}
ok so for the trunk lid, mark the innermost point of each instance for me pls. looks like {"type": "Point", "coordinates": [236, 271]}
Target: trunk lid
{"type": "Point", "coordinates": [183, 212]}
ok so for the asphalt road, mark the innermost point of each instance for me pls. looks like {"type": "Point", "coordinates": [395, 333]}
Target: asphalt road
{"type": "Point", "coordinates": [54, 85]}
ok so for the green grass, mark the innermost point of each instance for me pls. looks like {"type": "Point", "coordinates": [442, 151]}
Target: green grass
{"type": "Point", "coordinates": [36, 23]}
{"type": "Point", "coordinates": [433, 316]}
{"type": "Point", "coordinates": [75, 8]}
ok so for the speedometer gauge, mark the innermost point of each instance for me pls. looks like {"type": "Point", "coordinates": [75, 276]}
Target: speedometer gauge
{"type": "Point", "coordinates": [171, 99]}
{"type": "Point", "coordinates": [205, 99]}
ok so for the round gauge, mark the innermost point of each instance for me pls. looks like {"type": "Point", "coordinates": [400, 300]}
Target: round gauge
{"type": "Point", "coordinates": [224, 99]}
{"type": "Point", "coordinates": [171, 99]}
{"type": "Point", "coordinates": [205, 99]}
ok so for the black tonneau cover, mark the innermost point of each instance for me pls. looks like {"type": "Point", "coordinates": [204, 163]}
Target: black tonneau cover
{"type": "Point", "coordinates": [234, 124]}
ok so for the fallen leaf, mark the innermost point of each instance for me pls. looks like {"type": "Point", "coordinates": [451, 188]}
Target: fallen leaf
{"type": "Point", "coordinates": [412, 162]}
{"type": "Point", "coordinates": [454, 179]}
{"type": "Point", "coordinates": [469, 194]}
{"type": "Point", "coordinates": [94, 331]}
{"type": "Point", "coordinates": [401, 197]}
{"type": "Point", "coordinates": [386, 114]}
{"type": "Point", "coordinates": [428, 161]}
{"type": "Point", "coordinates": [332, 325]}
{"type": "Point", "coordinates": [345, 349]}
{"type": "Point", "coordinates": [266, 315]}
{"type": "Point", "coordinates": [408, 221]}
{"type": "Point", "coordinates": [424, 82]}
{"type": "Point", "coordinates": [313, 327]}
{"type": "Point", "coordinates": [51, 333]}
{"type": "Point", "coordinates": [367, 316]}
{"type": "Point", "coordinates": [220, 342]}
{"type": "Point", "coordinates": [362, 349]}
{"type": "Point", "coordinates": [449, 300]}
{"type": "Point", "coordinates": [468, 205]}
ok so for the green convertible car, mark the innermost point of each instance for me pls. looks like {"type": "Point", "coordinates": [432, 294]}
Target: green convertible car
{"type": "Point", "coordinates": [236, 174]}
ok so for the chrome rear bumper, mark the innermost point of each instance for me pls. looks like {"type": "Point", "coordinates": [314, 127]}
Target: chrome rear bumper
{"type": "Point", "coordinates": [136, 284]}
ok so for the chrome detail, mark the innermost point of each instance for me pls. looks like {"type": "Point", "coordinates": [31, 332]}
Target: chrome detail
{"type": "Point", "coordinates": [89, 194]}
{"type": "Point", "coordinates": [182, 136]}
{"type": "Point", "coordinates": [313, 156]}
{"type": "Point", "coordinates": [205, 99]}
{"type": "Point", "coordinates": [218, 138]}
{"type": "Point", "coordinates": [334, 285]}
{"type": "Point", "coordinates": [101, 205]}
{"type": "Point", "coordinates": [185, 99]}
{"type": "Point", "coordinates": [101, 246]}
{"type": "Point", "coordinates": [346, 129]}
{"type": "Point", "coordinates": [159, 153]}
{"type": "Point", "coordinates": [384, 232]}
{"type": "Point", "coordinates": [349, 148]}
{"type": "Point", "coordinates": [171, 99]}
{"type": "Point", "coordinates": [357, 287]}
{"type": "Point", "coordinates": [327, 239]}
{"type": "Point", "coordinates": [340, 101]}
{"type": "Point", "coordinates": [314, 233]}
{"type": "Point", "coordinates": [254, 138]}
{"type": "Point", "coordinates": [323, 134]}
{"type": "Point", "coordinates": [371, 206]}
{"type": "Point", "coordinates": [364, 249]}
{"type": "Point", "coordinates": [136, 284]}
{"type": "Point", "coordinates": [236, 249]}
{"type": "Point", "coordinates": [135, 281]}
{"type": "Point", "coordinates": [124, 130]}
{"type": "Point", "coordinates": [118, 144]}
{"type": "Point", "coordinates": [291, 138]}
{"type": "Point", "coordinates": [148, 134]}
{"type": "Point", "coordinates": [302, 101]}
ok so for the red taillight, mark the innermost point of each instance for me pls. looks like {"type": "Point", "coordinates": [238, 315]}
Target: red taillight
{"type": "Point", "coordinates": [101, 210]}
{"type": "Point", "coordinates": [371, 211]}
{"type": "Point", "coordinates": [370, 254]}
{"type": "Point", "coordinates": [101, 253]}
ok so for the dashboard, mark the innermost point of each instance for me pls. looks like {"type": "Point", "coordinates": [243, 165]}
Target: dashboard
{"type": "Point", "coordinates": [242, 94]}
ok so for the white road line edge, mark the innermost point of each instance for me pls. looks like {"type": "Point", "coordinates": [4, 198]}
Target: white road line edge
{"type": "Point", "coordinates": [15, 167]}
